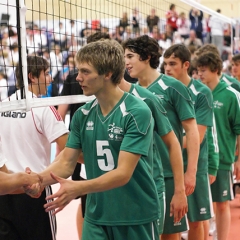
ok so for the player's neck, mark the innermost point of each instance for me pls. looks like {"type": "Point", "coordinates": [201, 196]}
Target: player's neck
{"type": "Point", "coordinates": [108, 99]}
{"type": "Point", "coordinates": [124, 85]}
{"type": "Point", "coordinates": [185, 79]}
{"type": "Point", "coordinates": [148, 77]}
{"type": "Point", "coordinates": [212, 84]}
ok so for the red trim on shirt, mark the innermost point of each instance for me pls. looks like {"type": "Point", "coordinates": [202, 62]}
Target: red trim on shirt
{"type": "Point", "coordinates": [56, 114]}
{"type": "Point", "coordinates": [35, 122]}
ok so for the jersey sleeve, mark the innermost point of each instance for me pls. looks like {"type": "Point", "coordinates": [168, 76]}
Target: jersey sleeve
{"type": "Point", "coordinates": [203, 109]}
{"type": "Point", "coordinates": [161, 123]}
{"type": "Point", "coordinates": [235, 111]}
{"type": "Point", "coordinates": [74, 138]}
{"type": "Point", "coordinates": [213, 149]}
{"type": "Point", "coordinates": [49, 123]}
{"type": "Point", "coordinates": [183, 103]}
{"type": "Point", "coordinates": [138, 132]}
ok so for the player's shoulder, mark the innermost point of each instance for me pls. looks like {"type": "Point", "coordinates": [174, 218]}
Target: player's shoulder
{"type": "Point", "coordinates": [200, 87]}
{"type": "Point", "coordinates": [87, 108]}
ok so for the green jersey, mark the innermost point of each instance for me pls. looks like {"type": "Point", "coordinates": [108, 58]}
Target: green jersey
{"type": "Point", "coordinates": [179, 106]}
{"type": "Point", "coordinates": [226, 102]}
{"type": "Point", "coordinates": [202, 99]}
{"type": "Point", "coordinates": [233, 82]}
{"type": "Point", "coordinates": [161, 128]}
{"type": "Point", "coordinates": [128, 127]}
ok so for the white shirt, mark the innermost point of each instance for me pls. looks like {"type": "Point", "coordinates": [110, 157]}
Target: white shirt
{"type": "Point", "coordinates": [3, 89]}
{"type": "Point", "coordinates": [27, 136]}
{"type": "Point", "coordinates": [216, 25]}
{"type": "Point", "coordinates": [3, 160]}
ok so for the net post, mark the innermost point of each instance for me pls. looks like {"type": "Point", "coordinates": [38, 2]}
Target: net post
{"type": "Point", "coordinates": [21, 15]}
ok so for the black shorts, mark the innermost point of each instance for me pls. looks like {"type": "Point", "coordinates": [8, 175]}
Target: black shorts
{"type": "Point", "coordinates": [76, 177]}
{"type": "Point", "coordinates": [24, 218]}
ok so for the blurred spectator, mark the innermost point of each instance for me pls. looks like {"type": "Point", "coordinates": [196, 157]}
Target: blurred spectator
{"type": "Point", "coordinates": [236, 66]}
{"type": "Point", "coordinates": [3, 87]}
{"type": "Point", "coordinates": [172, 17]}
{"type": "Point", "coordinates": [177, 38]}
{"type": "Point", "coordinates": [56, 61]}
{"type": "Point", "coordinates": [227, 35]}
{"type": "Point", "coordinates": [193, 40]}
{"type": "Point", "coordinates": [196, 17]}
{"type": "Point", "coordinates": [124, 22]}
{"type": "Point", "coordinates": [217, 30]}
{"type": "Point", "coordinates": [156, 33]}
{"type": "Point", "coordinates": [152, 20]}
{"type": "Point", "coordinates": [135, 19]}
{"type": "Point", "coordinates": [183, 25]}
{"type": "Point", "coordinates": [128, 33]}
{"type": "Point", "coordinates": [60, 36]}
{"type": "Point", "coordinates": [86, 31]}
{"type": "Point", "coordinates": [73, 30]}
{"type": "Point", "coordinates": [208, 30]}
{"type": "Point", "coordinates": [117, 34]}
{"type": "Point", "coordinates": [14, 55]}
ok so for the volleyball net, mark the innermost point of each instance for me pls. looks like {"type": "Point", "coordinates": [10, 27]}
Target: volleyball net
{"type": "Point", "coordinates": [56, 29]}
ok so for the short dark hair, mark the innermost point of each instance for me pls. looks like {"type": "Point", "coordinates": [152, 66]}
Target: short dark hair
{"type": "Point", "coordinates": [180, 51]}
{"type": "Point", "coordinates": [35, 65]}
{"type": "Point", "coordinates": [211, 60]}
{"type": "Point", "coordinates": [145, 46]}
{"type": "Point", "coordinates": [192, 67]}
{"type": "Point", "coordinates": [97, 36]}
{"type": "Point", "coordinates": [236, 58]}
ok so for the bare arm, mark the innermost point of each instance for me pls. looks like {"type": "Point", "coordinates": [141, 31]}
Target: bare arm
{"type": "Point", "coordinates": [112, 179]}
{"type": "Point", "coordinates": [178, 204]}
{"type": "Point", "coordinates": [62, 110]}
{"type": "Point", "coordinates": [237, 163]}
{"type": "Point", "coordinates": [60, 143]}
{"type": "Point", "coordinates": [192, 145]}
{"type": "Point", "coordinates": [13, 182]}
{"type": "Point", "coordinates": [62, 166]}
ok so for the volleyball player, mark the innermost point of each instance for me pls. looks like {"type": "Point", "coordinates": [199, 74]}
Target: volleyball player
{"type": "Point", "coordinates": [115, 138]}
{"type": "Point", "coordinates": [26, 142]}
{"type": "Point", "coordinates": [176, 63]}
{"type": "Point", "coordinates": [141, 56]}
{"type": "Point", "coordinates": [227, 114]}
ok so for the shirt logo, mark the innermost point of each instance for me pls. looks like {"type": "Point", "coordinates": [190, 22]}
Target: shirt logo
{"type": "Point", "coordinates": [203, 211]}
{"type": "Point", "coordinates": [177, 224]}
{"type": "Point", "coordinates": [90, 125]}
{"type": "Point", "coordinates": [115, 132]}
{"type": "Point", "coordinates": [217, 104]}
{"type": "Point", "coordinates": [14, 114]}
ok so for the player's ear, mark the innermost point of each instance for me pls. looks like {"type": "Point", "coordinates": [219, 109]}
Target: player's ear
{"type": "Point", "coordinates": [108, 75]}
{"type": "Point", "coordinates": [31, 78]}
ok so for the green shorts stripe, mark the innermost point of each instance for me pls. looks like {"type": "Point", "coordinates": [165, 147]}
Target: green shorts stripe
{"type": "Point", "coordinates": [200, 206]}
{"type": "Point", "coordinates": [169, 226]}
{"type": "Point", "coordinates": [222, 188]}
{"type": "Point", "coordinates": [162, 212]}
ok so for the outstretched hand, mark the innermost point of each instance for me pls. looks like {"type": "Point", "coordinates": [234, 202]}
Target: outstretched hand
{"type": "Point", "coordinates": [66, 193]}
{"type": "Point", "coordinates": [34, 187]}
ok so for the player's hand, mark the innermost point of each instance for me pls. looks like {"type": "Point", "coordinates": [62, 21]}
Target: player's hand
{"type": "Point", "coordinates": [67, 192]}
{"type": "Point", "coordinates": [189, 182]}
{"type": "Point", "coordinates": [211, 178]}
{"type": "Point", "coordinates": [34, 187]}
{"type": "Point", "coordinates": [236, 171]}
{"type": "Point", "coordinates": [178, 206]}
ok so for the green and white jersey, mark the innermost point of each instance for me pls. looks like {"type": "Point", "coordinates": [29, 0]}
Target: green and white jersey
{"type": "Point", "coordinates": [203, 101]}
{"type": "Point", "coordinates": [226, 103]}
{"type": "Point", "coordinates": [128, 127]}
{"type": "Point", "coordinates": [233, 82]}
{"type": "Point", "coordinates": [213, 149]}
{"type": "Point", "coordinates": [162, 127]}
{"type": "Point", "coordinates": [179, 106]}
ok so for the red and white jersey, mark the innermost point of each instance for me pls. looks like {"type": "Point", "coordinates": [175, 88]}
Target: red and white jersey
{"type": "Point", "coordinates": [27, 136]}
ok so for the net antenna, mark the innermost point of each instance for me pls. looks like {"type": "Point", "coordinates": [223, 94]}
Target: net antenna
{"type": "Point", "coordinates": [220, 16]}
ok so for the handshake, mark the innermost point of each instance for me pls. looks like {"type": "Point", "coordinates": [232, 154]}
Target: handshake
{"type": "Point", "coordinates": [33, 186]}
